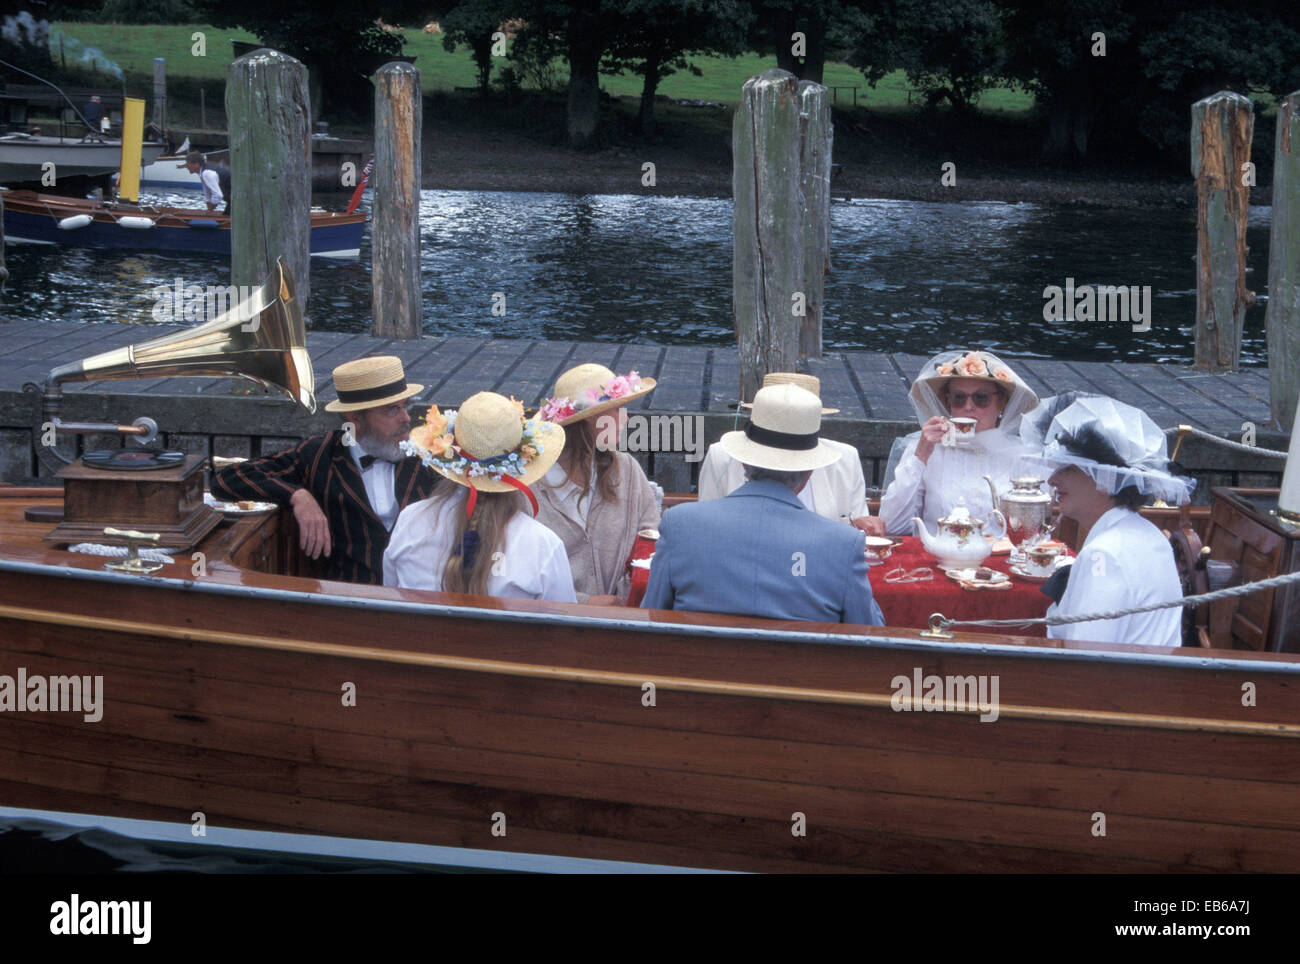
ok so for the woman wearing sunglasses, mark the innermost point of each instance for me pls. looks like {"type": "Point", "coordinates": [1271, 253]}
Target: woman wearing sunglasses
{"type": "Point", "coordinates": [931, 469]}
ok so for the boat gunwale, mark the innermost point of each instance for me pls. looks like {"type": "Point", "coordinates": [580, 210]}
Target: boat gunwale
{"type": "Point", "coordinates": [1133, 654]}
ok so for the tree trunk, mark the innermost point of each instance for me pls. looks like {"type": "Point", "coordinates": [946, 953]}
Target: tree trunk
{"type": "Point", "coordinates": [780, 183]}
{"type": "Point", "coordinates": [586, 44]}
{"type": "Point", "coordinates": [269, 118]}
{"type": "Point", "coordinates": [483, 59]}
{"type": "Point", "coordinates": [1283, 315]}
{"type": "Point", "coordinates": [1222, 126]}
{"type": "Point", "coordinates": [646, 116]}
{"type": "Point", "coordinates": [395, 231]}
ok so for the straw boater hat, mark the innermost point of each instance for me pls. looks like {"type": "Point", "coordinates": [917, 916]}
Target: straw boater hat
{"type": "Point", "coordinates": [809, 383]}
{"type": "Point", "coordinates": [488, 446]}
{"type": "Point", "coordinates": [783, 432]}
{"type": "Point", "coordinates": [370, 383]}
{"type": "Point", "coordinates": [589, 390]}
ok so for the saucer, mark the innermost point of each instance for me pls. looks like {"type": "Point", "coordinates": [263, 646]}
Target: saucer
{"type": "Point", "coordinates": [1024, 573]}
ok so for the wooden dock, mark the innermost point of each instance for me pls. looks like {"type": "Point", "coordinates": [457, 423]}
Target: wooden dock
{"type": "Point", "coordinates": [870, 389]}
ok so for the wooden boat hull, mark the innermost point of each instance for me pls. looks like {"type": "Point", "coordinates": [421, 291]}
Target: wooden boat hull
{"type": "Point", "coordinates": [286, 704]}
{"type": "Point", "coordinates": [34, 219]}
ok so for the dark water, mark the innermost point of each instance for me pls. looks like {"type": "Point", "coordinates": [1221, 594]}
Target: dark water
{"type": "Point", "coordinates": [906, 276]}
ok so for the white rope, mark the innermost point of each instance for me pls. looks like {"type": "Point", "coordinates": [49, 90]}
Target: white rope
{"type": "Point", "coordinates": [1239, 446]}
{"type": "Point", "coordinates": [1242, 590]}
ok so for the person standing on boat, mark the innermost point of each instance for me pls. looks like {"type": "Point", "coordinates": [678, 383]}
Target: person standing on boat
{"type": "Point", "coordinates": [215, 178]}
{"type": "Point", "coordinates": [837, 491]}
{"type": "Point", "coordinates": [930, 470]}
{"type": "Point", "coordinates": [759, 551]}
{"type": "Point", "coordinates": [346, 488]}
{"type": "Point", "coordinates": [473, 537]}
{"type": "Point", "coordinates": [1106, 459]}
{"type": "Point", "coordinates": [93, 113]}
{"type": "Point", "coordinates": [595, 497]}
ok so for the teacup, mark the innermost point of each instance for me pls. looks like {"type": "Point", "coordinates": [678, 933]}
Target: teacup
{"type": "Point", "coordinates": [879, 548]}
{"type": "Point", "coordinates": [960, 431]}
{"type": "Point", "coordinates": [1041, 560]}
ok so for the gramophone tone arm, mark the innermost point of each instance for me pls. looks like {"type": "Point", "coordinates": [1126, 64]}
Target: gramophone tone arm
{"type": "Point", "coordinates": [144, 429]}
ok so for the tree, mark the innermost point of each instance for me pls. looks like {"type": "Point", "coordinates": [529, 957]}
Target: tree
{"type": "Point", "coordinates": [473, 24]}
{"type": "Point", "coordinates": [341, 46]}
{"type": "Point", "coordinates": [659, 36]}
{"type": "Point", "coordinates": [950, 49]}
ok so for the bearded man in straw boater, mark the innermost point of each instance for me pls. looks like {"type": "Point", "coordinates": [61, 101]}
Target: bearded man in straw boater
{"type": "Point", "coordinates": [837, 491]}
{"type": "Point", "coordinates": [345, 488]}
{"type": "Point", "coordinates": [759, 551]}
{"type": "Point", "coordinates": [595, 497]}
{"type": "Point", "coordinates": [476, 536]}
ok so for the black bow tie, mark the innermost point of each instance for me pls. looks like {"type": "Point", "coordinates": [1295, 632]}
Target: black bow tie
{"type": "Point", "coordinates": [367, 461]}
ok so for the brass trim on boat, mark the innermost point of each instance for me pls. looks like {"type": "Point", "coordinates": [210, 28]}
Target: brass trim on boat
{"type": "Point", "coordinates": [671, 683]}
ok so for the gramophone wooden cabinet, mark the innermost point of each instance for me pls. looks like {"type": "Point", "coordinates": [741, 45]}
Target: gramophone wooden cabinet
{"type": "Point", "coordinates": [166, 500]}
{"type": "Point", "coordinates": [1243, 531]}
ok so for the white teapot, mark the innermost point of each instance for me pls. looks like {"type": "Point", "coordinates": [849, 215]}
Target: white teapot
{"type": "Point", "coordinates": [960, 542]}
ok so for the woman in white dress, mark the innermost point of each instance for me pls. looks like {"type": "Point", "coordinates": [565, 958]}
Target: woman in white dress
{"type": "Point", "coordinates": [596, 498]}
{"type": "Point", "coordinates": [1106, 459]}
{"type": "Point", "coordinates": [473, 537]}
{"type": "Point", "coordinates": [928, 472]}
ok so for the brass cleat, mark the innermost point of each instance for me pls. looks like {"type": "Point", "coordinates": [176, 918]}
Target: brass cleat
{"type": "Point", "coordinates": [133, 563]}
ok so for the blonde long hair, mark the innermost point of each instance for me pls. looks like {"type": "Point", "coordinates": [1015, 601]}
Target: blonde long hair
{"type": "Point", "coordinates": [492, 514]}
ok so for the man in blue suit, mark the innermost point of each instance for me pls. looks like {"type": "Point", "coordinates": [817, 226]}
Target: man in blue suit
{"type": "Point", "coordinates": [759, 552]}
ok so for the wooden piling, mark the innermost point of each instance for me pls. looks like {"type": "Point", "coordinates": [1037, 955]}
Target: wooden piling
{"type": "Point", "coordinates": [160, 96]}
{"type": "Point", "coordinates": [1283, 314]}
{"type": "Point", "coordinates": [270, 168]}
{"type": "Point", "coordinates": [1222, 127]}
{"type": "Point", "coordinates": [781, 149]}
{"type": "Point", "coordinates": [395, 230]}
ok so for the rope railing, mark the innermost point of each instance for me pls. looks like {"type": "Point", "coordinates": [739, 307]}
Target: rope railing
{"type": "Point", "coordinates": [1227, 443]}
{"type": "Point", "coordinates": [942, 622]}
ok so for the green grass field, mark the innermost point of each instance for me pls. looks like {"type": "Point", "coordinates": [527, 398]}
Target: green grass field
{"type": "Point", "coordinates": [134, 47]}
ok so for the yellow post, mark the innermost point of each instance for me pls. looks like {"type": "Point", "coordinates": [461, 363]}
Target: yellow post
{"type": "Point", "coordinates": [128, 188]}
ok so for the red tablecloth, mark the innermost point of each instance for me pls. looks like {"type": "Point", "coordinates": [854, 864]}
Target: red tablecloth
{"type": "Point", "coordinates": [909, 604]}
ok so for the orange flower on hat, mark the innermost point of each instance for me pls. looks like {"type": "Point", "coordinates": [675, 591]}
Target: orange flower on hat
{"type": "Point", "coordinates": [1003, 375]}
{"type": "Point", "coordinates": [944, 369]}
{"type": "Point", "coordinates": [972, 364]}
{"type": "Point", "coordinates": [442, 446]}
{"type": "Point", "coordinates": [519, 406]}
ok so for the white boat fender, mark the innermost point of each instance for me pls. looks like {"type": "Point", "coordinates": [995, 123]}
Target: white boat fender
{"type": "Point", "coordinates": [139, 224]}
{"type": "Point", "coordinates": [75, 221]}
{"type": "Point", "coordinates": [203, 223]}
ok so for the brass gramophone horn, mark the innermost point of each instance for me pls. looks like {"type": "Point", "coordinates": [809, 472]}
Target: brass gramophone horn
{"type": "Point", "coordinates": [263, 338]}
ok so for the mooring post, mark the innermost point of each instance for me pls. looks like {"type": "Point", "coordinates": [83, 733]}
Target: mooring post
{"type": "Point", "coordinates": [160, 96]}
{"type": "Point", "coordinates": [4, 272]}
{"type": "Point", "coordinates": [270, 168]}
{"type": "Point", "coordinates": [1222, 127]}
{"type": "Point", "coordinates": [780, 178]}
{"type": "Point", "coordinates": [395, 231]}
{"type": "Point", "coordinates": [1283, 312]}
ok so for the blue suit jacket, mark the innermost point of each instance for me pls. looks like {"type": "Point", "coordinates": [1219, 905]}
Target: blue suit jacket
{"type": "Point", "coordinates": [759, 552]}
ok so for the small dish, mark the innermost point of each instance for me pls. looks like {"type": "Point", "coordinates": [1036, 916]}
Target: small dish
{"type": "Point", "coordinates": [972, 575]}
{"type": "Point", "coordinates": [238, 508]}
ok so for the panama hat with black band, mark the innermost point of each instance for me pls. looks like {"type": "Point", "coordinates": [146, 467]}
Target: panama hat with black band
{"type": "Point", "coordinates": [783, 434]}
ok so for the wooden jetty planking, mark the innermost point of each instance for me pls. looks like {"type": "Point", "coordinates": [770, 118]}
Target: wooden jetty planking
{"type": "Point", "coordinates": [533, 378]}
{"type": "Point", "coordinates": [480, 373]}
{"type": "Point", "coordinates": [724, 381]}
{"type": "Point", "coordinates": [837, 387]}
{"type": "Point", "coordinates": [884, 393]}
{"type": "Point", "coordinates": [1134, 392]}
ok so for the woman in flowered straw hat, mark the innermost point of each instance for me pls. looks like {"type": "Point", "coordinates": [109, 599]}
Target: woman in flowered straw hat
{"type": "Point", "coordinates": [596, 498]}
{"type": "Point", "coordinates": [926, 475]}
{"type": "Point", "coordinates": [1105, 460]}
{"type": "Point", "coordinates": [473, 538]}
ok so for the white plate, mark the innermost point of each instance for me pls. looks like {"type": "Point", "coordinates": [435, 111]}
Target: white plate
{"type": "Point", "coordinates": [234, 508]}
{"type": "Point", "coordinates": [968, 575]}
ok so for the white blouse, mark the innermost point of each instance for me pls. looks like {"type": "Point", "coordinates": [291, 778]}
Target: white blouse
{"type": "Point", "coordinates": [931, 488]}
{"type": "Point", "coordinates": [533, 564]}
{"type": "Point", "coordinates": [836, 491]}
{"type": "Point", "coordinates": [1125, 562]}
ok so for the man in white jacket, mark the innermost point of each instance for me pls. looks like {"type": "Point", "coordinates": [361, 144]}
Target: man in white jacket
{"type": "Point", "coordinates": [837, 492]}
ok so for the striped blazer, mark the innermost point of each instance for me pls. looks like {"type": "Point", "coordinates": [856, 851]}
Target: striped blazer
{"type": "Point", "coordinates": [323, 466]}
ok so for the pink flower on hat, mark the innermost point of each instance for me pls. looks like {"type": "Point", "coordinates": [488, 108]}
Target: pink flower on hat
{"type": "Point", "coordinates": [618, 387]}
{"type": "Point", "coordinates": [557, 409]}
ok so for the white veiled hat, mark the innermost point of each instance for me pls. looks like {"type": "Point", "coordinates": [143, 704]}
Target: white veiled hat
{"type": "Point", "coordinates": [1061, 422]}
